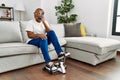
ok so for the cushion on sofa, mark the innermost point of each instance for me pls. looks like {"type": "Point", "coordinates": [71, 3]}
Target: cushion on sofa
{"type": "Point", "coordinates": [7, 49]}
{"type": "Point", "coordinates": [93, 44]}
{"type": "Point", "coordinates": [10, 31]}
{"type": "Point", "coordinates": [23, 25]}
{"type": "Point", "coordinates": [72, 30]}
{"type": "Point", "coordinates": [59, 29]}
{"type": "Point", "coordinates": [83, 30]}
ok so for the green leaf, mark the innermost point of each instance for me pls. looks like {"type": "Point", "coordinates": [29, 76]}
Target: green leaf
{"type": "Point", "coordinates": [63, 10]}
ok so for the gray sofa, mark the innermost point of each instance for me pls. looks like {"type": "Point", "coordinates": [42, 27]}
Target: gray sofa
{"type": "Point", "coordinates": [15, 53]}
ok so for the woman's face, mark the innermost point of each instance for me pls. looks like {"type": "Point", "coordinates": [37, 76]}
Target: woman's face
{"type": "Point", "coordinates": [37, 14]}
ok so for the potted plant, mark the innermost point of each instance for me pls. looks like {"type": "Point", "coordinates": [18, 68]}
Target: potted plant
{"type": "Point", "coordinates": [63, 12]}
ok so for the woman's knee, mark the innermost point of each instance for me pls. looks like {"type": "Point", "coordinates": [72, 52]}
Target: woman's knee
{"type": "Point", "coordinates": [51, 32]}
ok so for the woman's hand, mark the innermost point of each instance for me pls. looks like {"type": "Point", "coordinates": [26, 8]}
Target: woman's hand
{"type": "Point", "coordinates": [43, 19]}
{"type": "Point", "coordinates": [42, 36]}
{"type": "Point", "coordinates": [45, 24]}
{"type": "Point", "coordinates": [32, 35]}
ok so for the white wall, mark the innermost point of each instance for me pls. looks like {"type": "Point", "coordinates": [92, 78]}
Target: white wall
{"type": "Point", "coordinates": [92, 13]}
{"type": "Point", "coordinates": [96, 15]}
{"type": "Point", "coordinates": [30, 6]}
{"type": "Point", "coordinates": [48, 6]}
{"type": "Point", "coordinates": [10, 3]}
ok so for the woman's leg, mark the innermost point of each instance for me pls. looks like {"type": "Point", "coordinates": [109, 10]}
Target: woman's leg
{"type": "Point", "coordinates": [54, 40]}
{"type": "Point", "coordinates": [43, 44]}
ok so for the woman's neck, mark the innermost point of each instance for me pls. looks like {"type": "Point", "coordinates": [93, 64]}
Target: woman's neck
{"type": "Point", "coordinates": [38, 20]}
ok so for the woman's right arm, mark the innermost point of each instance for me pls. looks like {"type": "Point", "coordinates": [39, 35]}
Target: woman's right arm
{"type": "Point", "coordinates": [32, 35]}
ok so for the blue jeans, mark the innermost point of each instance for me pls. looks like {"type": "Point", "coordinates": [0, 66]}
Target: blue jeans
{"type": "Point", "coordinates": [43, 44]}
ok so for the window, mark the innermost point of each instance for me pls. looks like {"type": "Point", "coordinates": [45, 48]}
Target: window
{"type": "Point", "coordinates": [116, 18]}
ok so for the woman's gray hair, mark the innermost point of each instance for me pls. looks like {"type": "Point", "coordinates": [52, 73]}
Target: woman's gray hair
{"type": "Point", "coordinates": [38, 9]}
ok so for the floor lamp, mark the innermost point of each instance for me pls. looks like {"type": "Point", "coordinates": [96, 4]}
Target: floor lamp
{"type": "Point", "coordinates": [20, 8]}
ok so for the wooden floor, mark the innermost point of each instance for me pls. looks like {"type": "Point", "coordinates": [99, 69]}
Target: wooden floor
{"type": "Point", "coordinates": [109, 70]}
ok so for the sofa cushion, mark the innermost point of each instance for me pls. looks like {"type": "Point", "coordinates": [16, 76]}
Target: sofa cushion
{"type": "Point", "coordinates": [7, 49]}
{"type": "Point", "coordinates": [10, 31]}
{"type": "Point", "coordinates": [59, 29]}
{"type": "Point", "coordinates": [23, 25]}
{"type": "Point", "coordinates": [72, 30]}
{"type": "Point", "coordinates": [83, 30]}
{"type": "Point", "coordinates": [93, 44]}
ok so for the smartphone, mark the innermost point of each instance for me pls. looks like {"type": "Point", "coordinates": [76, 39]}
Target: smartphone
{"type": "Point", "coordinates": [41, 16]}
